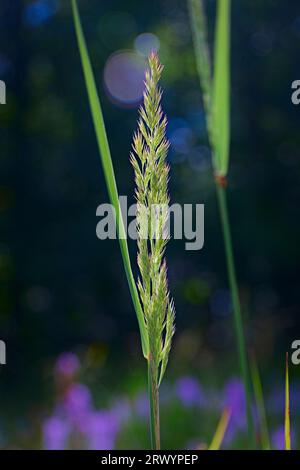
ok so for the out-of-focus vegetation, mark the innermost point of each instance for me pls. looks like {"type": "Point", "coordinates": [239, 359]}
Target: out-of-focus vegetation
{"type": "Point", "coordinates": [59, 282]}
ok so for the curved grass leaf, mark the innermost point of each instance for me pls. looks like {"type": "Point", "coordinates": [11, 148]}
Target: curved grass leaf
{"type": "Point", "coordinates": [108, 170]}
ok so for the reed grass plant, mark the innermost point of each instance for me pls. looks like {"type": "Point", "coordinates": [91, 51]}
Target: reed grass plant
{"type": "Point", "coordinates": [150, 295]}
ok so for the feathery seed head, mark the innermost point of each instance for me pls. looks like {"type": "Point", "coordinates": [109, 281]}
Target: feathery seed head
{"type": "Point", "coordinates": [150, 148]}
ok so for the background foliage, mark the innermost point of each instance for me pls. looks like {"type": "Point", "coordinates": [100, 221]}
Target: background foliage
{"type": "Point", "coordinates": [62, 289]}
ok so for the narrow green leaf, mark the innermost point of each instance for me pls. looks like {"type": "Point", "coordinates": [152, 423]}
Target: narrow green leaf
{"type": "Point", "coordinates": [260, 405]}
{"type": "Point", "coordinates": [221, 430]}
{"type": "Point", "coordinates": [287, 420]}
{"type": "Point", "coordinates": [108, 170]}
{"type": "Point", "coordinates": [221, 89]}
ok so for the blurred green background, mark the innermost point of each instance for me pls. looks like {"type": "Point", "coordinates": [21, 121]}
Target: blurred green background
{"type": "Point", "coordinates": [61, 288]}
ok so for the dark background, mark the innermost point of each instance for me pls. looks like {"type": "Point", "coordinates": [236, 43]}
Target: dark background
{"type": "Point", "coordinates": [63, 289]}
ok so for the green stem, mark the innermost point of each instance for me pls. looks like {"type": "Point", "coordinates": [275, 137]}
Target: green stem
{"type": "Point", "coordinates": [222, 201]}
{"type": "Point", "coordinates": [154, 407]}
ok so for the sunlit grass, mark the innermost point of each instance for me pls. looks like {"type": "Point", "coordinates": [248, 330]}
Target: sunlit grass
{"type": "Point", "coordinates": [154, 309]}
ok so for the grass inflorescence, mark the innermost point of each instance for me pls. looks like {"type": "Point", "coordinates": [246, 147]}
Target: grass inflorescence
{"type": "Point", "coordinates": [150, 295]}
{"type": "Point", "coordinates": [148, 159]}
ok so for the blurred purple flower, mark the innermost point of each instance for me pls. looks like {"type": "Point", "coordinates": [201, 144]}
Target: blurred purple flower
{"type": "Point", "coordinates": [77, 405]}
{"type": "Point", "coordinates": [102, 430]}
{"type": "Point", "coordinates": [66, 365]}
{"type": "Point", "coordinates": [189, 391]}
{"type": "Point", "coordinates": [235, 400]}
{"type": "Point", "coordinates": [77, 399]}
{"type": "Point", "coordinates": [278, 438]}
{"type": "Point", "coordinates": [55, 433]}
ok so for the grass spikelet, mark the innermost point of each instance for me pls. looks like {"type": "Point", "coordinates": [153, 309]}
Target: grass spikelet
{"type": "Point", "coordinates": [148, 159]}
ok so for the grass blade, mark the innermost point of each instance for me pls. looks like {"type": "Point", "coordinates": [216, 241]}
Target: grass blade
{"type": "Point", "coordinates": [260, 405]}
{"type": "Point", "coordinates": [287, 419]}
{"type": "Point", "coordinates": [221, 88]}
{"type": "Point", "coordinates": [221, 430]}
{"type": "Point", "coordinates": [108, 170]}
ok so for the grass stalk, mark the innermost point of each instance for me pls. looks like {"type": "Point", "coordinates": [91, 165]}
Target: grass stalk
{"type": "Point", "coordinates": [153, 392]}
{"type": "Point", "coordinates": [216, 97]}
{"type": "Point", "coordinates": [238, 323]}
{"type": "Point", "coordinates": [287, 418]}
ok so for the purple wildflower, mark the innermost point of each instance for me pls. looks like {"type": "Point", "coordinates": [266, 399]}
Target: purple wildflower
{"type": "Point", "coordinates": [102, 430]}
{"type": "Point", "coordinates": [77, 405]}
{"type": "Point", "coordinates": [55, 433]}
{"type": "Point", "coordinates": [278, 438]}
{"type": "Point", "coordinates": [189, 392]}
{"type": "Point", "coordinates": [234, 399]}
{"type": "Point", "coordinates": [77, 399]}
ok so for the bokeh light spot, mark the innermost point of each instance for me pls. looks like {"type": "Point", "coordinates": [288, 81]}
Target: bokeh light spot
{"type": "Point", "coordinates": [146, 43]}
{"type": "Point", "coordinates": [124, 78]}
{"type": "Point", "coordinates": [40, 11]}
